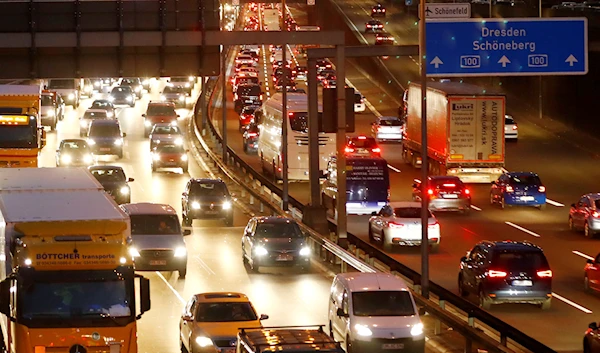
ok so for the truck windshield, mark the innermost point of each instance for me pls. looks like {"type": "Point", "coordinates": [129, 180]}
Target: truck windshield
{"type": "Point", "coordinates": [72, 300]}
{"type": "Point", "coordinates": [367, 180]}
{"type": "Point", "coordinates": [17, 136]}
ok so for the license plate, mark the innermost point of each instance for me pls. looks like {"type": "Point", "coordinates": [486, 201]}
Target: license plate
{"type": "Point", "coordinates": [212, 212]}
{"type": "Point", "coordinates": [249, 101]}
{"type": "Point", "coordinates": [393, 346]}
{"type": "Point", "coordinates": [285, 257]}
{"type": "Point", "coordinates": [450, 196]}
{"type": "Point", "coordinates": [105, 149]}
{"type": "Point", "coordinates": [527, 198]}
{"type": "Point", "coordinates": [522, 283]}
{"type": "Point", "coordinates": [158, 262]}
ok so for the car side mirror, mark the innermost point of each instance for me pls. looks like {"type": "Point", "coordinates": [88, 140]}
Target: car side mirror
{"type": "Point", "coordinates": [124, 135]}
{"type": "Point", "coordinates": [590, 261]}
{"type": "Point", "coordinates": [179, 116]}
{"type": "Point", "coordinates": [144, 115]}
{"type": "Point", "coordinates": [187, 317]}
{"type": "Point", "coordinates": [184, 193]}
{"type": "Point", "coordinates": [263, 317]}
{"type": "Point", "coordinates": [463, 259]}
{"type": "Point", "coordinates": [593, 325]}
{"type": "Point", "coordinates": [187, 232]}
{"type": "Point", "coordinates": [422, 311]}
{"type": "Point", "coordinates": [340, 312]}
{"type": "Point", "coordinates": [129, 180]}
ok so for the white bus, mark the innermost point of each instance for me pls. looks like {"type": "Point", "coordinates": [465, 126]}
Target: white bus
{"type": "Point", "coordinates": [270, 118]}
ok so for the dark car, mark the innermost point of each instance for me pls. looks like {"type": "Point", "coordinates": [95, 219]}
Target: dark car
{"type": "Point", "coordinates": [122, 95]}
{"type": "Point", "coordinates": [585, 214]}
{"type": "Point", "coordinates": [114, 181]}
{"type": "Point", "coordinates": [169, 156]}
{"type": "Point", "coordinates": [247, 116]}
{"type": "Point", "coordinates": [206, 198]}
{"type": "Point", "coordinates": [373, 26]}
{"type": "Point", "coordinates": [274, 241]}
{"type": "Point", "coordinates": [74, 153]}
{"type": "Point", "coordinates": [518, 189]}
{"type": "Point", "coordinates": [247, 95]}
{"type": "Point", "coordinates": [105, 137]}
{"type": "Point", "coordinates": [445, 193]}
{"type": "Point", "coordinates": [378, 11]}
{"type": "Point", "coordinates": [591, 277]}
{"type": "Point", "coordinates": [591, 340]}
{"type": "Point", "coordinates": [506, 272]}
{"type": "Point", "coordinates": [104, 104]}
{"type": "Point", "coordinates": [250, 138]}
{"type": "Point", "coordinates": [384, 38]}
{"type": "Point", "coordinates": [362, 146]}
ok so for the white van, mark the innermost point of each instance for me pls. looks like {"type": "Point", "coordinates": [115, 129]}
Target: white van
{"type": "Point", "coordinates": [374, 312]}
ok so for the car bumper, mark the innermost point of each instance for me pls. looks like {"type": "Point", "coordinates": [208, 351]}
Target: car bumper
{"type": "Point", "coordinates": [208, 213]}
{"type": "Point", "coordinates": [511, 135]}
{"type": "Point", "coordinates": [441, 204]}
{"type": "Point", "coordinates": [516, 296]}
{"type": "Point", "coordinates": [252, 146]}
{"type": "Point", "coordinates": [524, 200]}
{"type": "Point", "coordinates": [389, 136]}
{"type": "Point", "coordinates": [276, 261]}
{"type": "Point", "coordinates": [122, 101]}
{"type": "Point", "coordinates": [174, 164]}
{"type": "Point", "coordinates": [359, 108]}
{"type": "Point", "coordinates": [395, 345]}
{"type": "Point", "coordinates": [143, 263]}
{"type": "Point", "coordinates": [410, 237]}
{"type": "Point", "coordinates": [107, 150]}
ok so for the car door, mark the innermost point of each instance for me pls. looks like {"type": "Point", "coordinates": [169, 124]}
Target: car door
{"type": "Point", "coordinates": [185, 198]}
{"type": "Point", "coordinates": [593, 274]}
{"type": "Point", "coordinates": [342, 321]}
{"type": "Point", "coordinates": [472, 269]}
{"type": "Point", "coordinates": [248, 238]}
{"type": "Point", "coordinates": [187, 321]}
{"type": "Point", "coordinates": [579, 212]}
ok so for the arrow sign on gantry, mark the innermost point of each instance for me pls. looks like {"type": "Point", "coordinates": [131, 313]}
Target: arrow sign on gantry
{"type": "Point", "coordinates": [436, 62]}
{"type": "Point", "coordinates": [503, 60]}
{"type": "Point", "coordinates": [571, 59]}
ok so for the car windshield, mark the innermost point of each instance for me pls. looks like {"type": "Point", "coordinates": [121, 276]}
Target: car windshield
{"type": "Point", "coordinates": [47, 100]}
{"type": "Point", "coordinates": [223, 312]}
{"type": "Point", "coordinates": [408, 212]}
{"type": "Point", "coordinates": [94, 115]}
{"type": "Point", "coordinates": [209, 189]}
{"type": "Point", "coordinates": [116, 174]}
{"type": "Point", "coordinates": [514, 260]}
{"type": "Point", "coordinates": [246, 80]}
{"type": "Point", "coordinates": [75, 145]}
{"type": "Point", "coordinates": [278, 230]}
{"type": "Point", "coordinates": [597, 203]}
{"type": "Point", "coordinates": [249, 90]}
{"type": "Point", "coordinates": [64, 84]}
{"type": "Point", "coordinates": [390, 122]}
{"type": "Point", "coordinates": [173, 89]}
{"type": "Point", "coordinates": [382, 303]}
{"type": "Point", "coordinates": [121, 90]}
{"type": "Point", "coordinates": [509, 121]}
{"type": "Point", "coordinates": [162, 110]}
{"type": "Point", "coordinates": [526, 179]}
{"type": "Point", "coordinates": [105, 130]}
{"type": "Point", "coordinates": [170, 149]}
{"type": "Point", "coordinates": [130, 81]}
{"type": "Point", "coordinates": [154, 224]}
{"type": "Point", "coordinates": [166, 130]}
{"type": "Point", "coordinates": [101, 105]}
{"type": "Point", "coordinates": [299, 121]}
{"type": "Point", "coordinates": [363, 143]}
{"type": "Point", "coordinates": [358, 98]}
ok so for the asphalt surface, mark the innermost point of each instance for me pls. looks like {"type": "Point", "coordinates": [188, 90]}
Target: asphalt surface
{"type": "Point", "coordinates": [566, 161]}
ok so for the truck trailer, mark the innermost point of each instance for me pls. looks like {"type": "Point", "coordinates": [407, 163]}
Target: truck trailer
{"type": "Point", "coordinates": [465, 130]}
{"type": "Point", "coordinates": [68, 281]}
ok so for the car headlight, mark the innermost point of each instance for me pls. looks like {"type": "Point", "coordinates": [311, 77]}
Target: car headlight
{"type": "Point", "coordinates": [178, 141]}
{"type": "Point", "coordinates": [191, 78]}
{"type": "Point", "coordinates": [124, 190]}
{"type": "Point", "coordinates": [71, 96]}
{"type": "Point", "coordinates": [97, 84]}
{"type": "Point", "coordinates": [163, 98]}
{"type": "Point", "coordinates": [147, 123]}
{"type": "Point", "coordinates": [50, 113]}
{"type": "Point", "coordinates": [134, 252]}
{"type": "Point", "coordinates": [111, 98]}
{"type": "Point", "coordinates": [181, 98]}
{"type": "Point", "coordinates": [260, 251]}
{"type": "Point", "coordinates": [91, 142]}
{"type": "Point", "coordinates": [196, 205]}
{"type": "Point", "coordinates": [138, 88]}
{"type": "Point", "coordinates": [155, 156]}
{"type": "Point", "coordinates": [184, 157]}
{"type": "Point", "coordinates": [109, 114]}
{"type": "Point", "coordinates": [66, 159]}
{"type": "Point", "coordinates": [417, 329]}
{"type": "Point", "coordinates": [363, 330]}
{"type": "Point", "coordinates": [187, 85]}
{"type": "Point", "coordinates": [174, 123]}
{"type": "Point", "coordinates": [305, 251]}
{"type": "Point", "coordinates": [203, 341]}
{"type": "Point", "coordinates": [88, 159]}
{"type": "Point", "coordinates": [118, 142]}
{"type": "Point", "coordinates": [180, 252]}
{"type": "Point", "coordinates": [130, 98]}
{"type": "Point", "coordinates": [227, 205]}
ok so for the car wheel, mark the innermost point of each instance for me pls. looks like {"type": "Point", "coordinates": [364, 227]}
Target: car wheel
{"type": "Point", "coordinates": [183, 349]}
{"type": "Point", "coordinates": [330, 330]}
{"type": "Point", "coordinates": [153, 167]}
{"type": "Point", "coordinates": [182, 272]}
{"type": "Point", "coordinates": [184, 169]}
{"type": "Point", "coordinates": [484, 301]}
{"type": "Point", "coordinates": [542, 207]}
{"type": "Point", "coordinates": [81, 134]}
{"type": "Point", "coordinates": [435, 248]}
{"type": "Point", "coordinates": [187, 221]}
{"type": "Point", "coordinates": [254, 266]}
{"type": "Point", "coordinates": [387, 247]}
{"type": "Point", "coordinates": [466, 211]}
{"type": "Point", "coordinates": [245, 148]}
{"type": "Point", "coordinates": [587, 231]}
{"type": "Point", "coordinates": [120, 154]}
{"type": "Point", "coordinates": [571, 224]}
{"type": "Point", "coordinates": [53, 126]}
{"type": "Point", "coordinates": [244, 258]}
{"type": "Point", "coordinates": [461, 287]}
{"type": "Point", "coordinates": [546, 304]}
{"type": "Point", "coordinates": [586, 284]}
{"type": "Point", "coordinates": [349, 348]}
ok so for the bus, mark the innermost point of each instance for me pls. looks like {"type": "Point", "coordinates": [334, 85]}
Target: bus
{"type": "Point", "coordinates": [269, 118]}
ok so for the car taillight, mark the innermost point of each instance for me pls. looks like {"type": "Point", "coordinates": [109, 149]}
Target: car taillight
{"type": "Point", "coordinates": [430, 191]}
{"type": "Point", "coordinates": [496, 274]}
{"type": "Point", "coordinates": [514, 127]}
{"type": "Point", "coordinates": [595, 214]}
{"type": "Point", "coordinates": [376, 150]}
{"type": "Point", "coordinates": [348, 149]}
{"type": "Point", "coordinates": [544, 274]}
{"type": "Point", "coordinates": [450, 185]}
{"type": "Point", "coordinates": [542, 189]}
{"type": "Point", "coordinates": [466, 191]}
{"type": "Point", "coordinates": [509, 188]}
{"type": "Point", "coordinates": [395, 225]}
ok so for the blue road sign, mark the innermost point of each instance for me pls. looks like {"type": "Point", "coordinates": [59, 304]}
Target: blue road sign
{"type": "Point", "coordinates": [408, 2]}
{"type": "Point", "coordinates": [507, 47]}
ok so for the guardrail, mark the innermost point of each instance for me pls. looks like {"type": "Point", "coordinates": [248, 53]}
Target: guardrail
{"type": "Point", "coordinates": [267, 193]}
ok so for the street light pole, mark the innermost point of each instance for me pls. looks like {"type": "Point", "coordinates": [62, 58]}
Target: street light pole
{"type": "Point", "coordinates": [284, 132]}
{"type": "Point", "coordinates": [224, 102]}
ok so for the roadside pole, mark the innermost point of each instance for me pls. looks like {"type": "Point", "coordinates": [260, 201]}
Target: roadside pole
{"type": "Point", "coordinates": [424, 159]}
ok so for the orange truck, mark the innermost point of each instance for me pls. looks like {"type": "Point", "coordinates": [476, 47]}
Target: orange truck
{"type": "Point", "coordinates": [22, 136]}
{"type": "Point", "coordinates": [68, 284]}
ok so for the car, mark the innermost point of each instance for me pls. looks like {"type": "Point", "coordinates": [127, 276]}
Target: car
{"type": "Point", "coordinates": [244, 79]}
{"type": "Point", "coordinates": [134, 82]}
{"type": "Point", "coordinates": [247, 95]}
{"type": "Point", "coordinates": [114, 181]}
{"type": "Point", "coordinates": [511, 129]}
{"type": "Point", "coordinates": [359, 102]}
{"type": "Point", "coordinates": [211, 321]}
{"type": "Point", "coordinates": [518, 189]}
{"type": "Point", "coordinates": [50, 112]}
{"type": "Point", "coordinates": [169, 156]}
{"type": "Point", "coordinates": [87, 88]}
{"type": "Point", "coordinates": [186, 82]}
{"type": "Point", "coordinates": [591, 339]}
{"type": "Point", "coordinates": [246, 71]}
{"type": "Point", "coordinates": [300, 73]}
{"type": "Point", "coordinates": [362, 146]}
{"type": "Point", "coordinates": [501, 272]}
{"type": "Point", "coordinates": [122, 95]}
{"type": "Point", "coordinates": [384, 38]}
{"type": "Point", "coordinates": [323, 64]}
{"type": "Point", "coordinates": [378, 11]}
{"type": "Point", "coordinates": [206, 198]}
{"type": "Point", "coordinates": [399, 223]}
{"type": "Point", "coordinates": [591, 277]}
{"type": "Point", "coordinates": [174, 94]}
{"type": "Point", "coordinates": [106, 138]}
{"type": "Point", "coordinates": [290, 84]}
{"type": "Point", "coordinates": [86, 120]}
{"type": "Point", "coordinates": [329, 82]}
{"type": "Point", "coordinates": [247, 116]}
{"type": "Point", "coordinates": [60, 106]}
{"type": "Point", "coordinates": [585, 214]}
{"type": "Point", "coordinates": [105, 104]}
{"type": "Point", "coordinates": [245, 59]}
{"type": "Point", "coordinates": [165, 133]}
{"type": "Point", "coordinates": [373, 26]}
{"type": "Point", "coordinates": [279, 63]}
{"type": "Point", "coordinates": [273, 241]}
{"type": "Point", "coordinates": [159, 112]}
{"type": "Point", "coordinates": [74, 153]}
{"type": "Point", "coordinates": [250, 138]}
{"type": "Point", "coordinates": [157, 242]}
{"type": "Point", "coordinates": [323, 74]}
{"type": "Point", "coordinates": [388, 128]}
{"type": "Point", "coordinates": [444, 193]}
{"type": "Point", "coordinates": [252, 53]}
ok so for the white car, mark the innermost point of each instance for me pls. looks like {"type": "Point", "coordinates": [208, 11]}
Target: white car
{"type": "Point", "coordinates": [399, 223]}
{"type": "Point", "coordinates": [359, 102]}
{"type": "Point", "coordinates": [511, 130]}
{"type": "Point", "coordinates": [244, 59]}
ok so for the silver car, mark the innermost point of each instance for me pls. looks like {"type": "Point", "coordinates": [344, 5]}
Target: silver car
{"type": "Point", "coordinates": [511, 130]}
{"type": "Point", "coordinates": [585, 214]}
{"type": "Point", "coordinates": [86, 120]}
{"type": "Point", "coordinates": [165, 133]}
{"type": "Point", "coordinates": [174, 94]}
{"type": "Point", "coordinates": [388, 128]}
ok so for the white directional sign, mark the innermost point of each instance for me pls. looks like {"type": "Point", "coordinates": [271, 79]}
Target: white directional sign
{"type": "Point", "coordinates": [448, 10]}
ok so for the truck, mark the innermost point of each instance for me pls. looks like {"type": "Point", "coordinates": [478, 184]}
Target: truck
{"type": "Point", "coordinates": [271, 20]}
{"type": "Point", "coordinates": [68, 281]}
{"type": "Point", "coordinates": [51, 110]}
{"type": "Point", "coordinates": [296, 339]}
{"type": "Point", "coordinates": [70, 89]}
{"type": "Point", "coordinates": [465, 130]}
{"type": "Point", "coordinates": [22, 135]}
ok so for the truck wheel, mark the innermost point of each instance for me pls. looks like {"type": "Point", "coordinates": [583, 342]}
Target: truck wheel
{"type": "Point", "coordinates": [186, 221]}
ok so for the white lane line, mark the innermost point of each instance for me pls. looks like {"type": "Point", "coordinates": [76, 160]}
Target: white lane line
{"type": "Point", "coordinates": [585, 256]}
{"type": "Point", "coordinates": [571, 303]}
{"type": "Point", "coordinates": [554, 203]}
{"type": "Point", "coordinates": [523, 229]}
{"type": "Point", "coordinates": [475, 208]}
{"type": "Point", "coordinates": [177, 295]}
{"type": "Point", "coordinates": [394, 168]}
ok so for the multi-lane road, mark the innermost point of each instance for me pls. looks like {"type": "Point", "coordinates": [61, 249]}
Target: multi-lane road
{"type": "Point", "coordinates": [566, 162]}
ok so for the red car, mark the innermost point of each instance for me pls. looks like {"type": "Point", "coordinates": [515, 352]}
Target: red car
{"type": "Point", "coordinates": [159, 112]}
{"type": "Point", "coordinates": [247, 116]}
{"type": "Point", "coordinates": [362, 146]}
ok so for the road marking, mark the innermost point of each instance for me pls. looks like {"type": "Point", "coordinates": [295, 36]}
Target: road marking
{"type": "Point", "coordinates": [468, 231]}
{"type": "Point", "coordinates": [394, 168]}
{"type": "Point", "coordinates": [171, 287]}
{"type": "Point", "coordinates": [585, 256]}
{"type": "Point", "coordinates": [522, 229]}
{"type": "Point", "coordinates": [554, 203]}
{"type": "Point", "coordinates": [571, 303]}
{"type": "Point", "coordinates": [475, 208]}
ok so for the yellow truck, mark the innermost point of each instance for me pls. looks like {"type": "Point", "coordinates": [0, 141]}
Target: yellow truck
{"type": "Point", "coordinates": [22, 135]}
{"type": "Point", "coordinates": [68, 281]}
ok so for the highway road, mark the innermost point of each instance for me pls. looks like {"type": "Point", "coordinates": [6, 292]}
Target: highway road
{"type": "Point", "coordinates": [287, 295]}
{"type": "Point", "coordinates": [565, 160]}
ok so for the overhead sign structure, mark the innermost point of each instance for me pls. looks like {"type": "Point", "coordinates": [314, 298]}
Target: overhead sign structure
{"type": "Point", "coordinates": [448, 10]}
{"type": "Point", "coordinates": [507, 47]}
